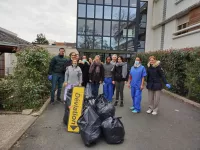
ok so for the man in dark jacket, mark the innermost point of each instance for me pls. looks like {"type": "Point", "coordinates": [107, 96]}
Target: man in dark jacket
{"type": "Point", "coordinates": [56, 73]}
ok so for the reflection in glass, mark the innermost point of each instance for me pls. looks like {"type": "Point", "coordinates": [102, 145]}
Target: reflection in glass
{"type": "Point", "coordinates": [132, 13]}
{"type": "Point", "coordinates": [140, 50]}
{"type": "Point", "coordinates": [81, 42]}
{"type": "Point", "coordinates": [107, 12]}
{"type": "Point", "coordinates": [108, 2]}
{"type": "Point", "coordinates": [115, 14]}
{"type": "Point", "coordinates": [82, 1]}
{"type": "Point", "coordinates": [122, 43]}
{"type": "Point", "coordinates": [81, 10]}
{"type": "Point", "coordinates": [116, 2]}
{"type": "Point", "coordinates": [98, 27]}
{"type": "Point", "coordinates": [89, 42]}
{"type": "Point", "coordinates": [81, 26]}
{"type": "Point", "coordinates": [90, 11]}
{"type": "Point", "coordinates": [123, 29]}
{"type": "Point", "coordinates": [106, 31]}
{"type": "Point", "coordinates": [99, 12]}
{"type": "Point", "coordinates": [133, 3]}
{"type": "Point", "coordinates": [97, 42]}
{"type": "Point", "coordinates": [115, 28]}
{"type": "Point", "coordinates": [114, 43]}
{"type": "Point", "coordinates": [124, 13]}
{"type": "Point", "coordinates": [141, 44]}
{"type": "Point", "coordinates": [131, 29]}
{"type": "Point", "coordinates": [99, 1]}
{"type": "Point", "coordinates": [124, 2]}
{"type": "Point", "coordinates": [90, 27]}
{"type": "Point", "coordinates": [90, 1]}
{"type": "Point", "coordinates": [106, 43]}
{"type": "Point", "coordinates": [130, 45]}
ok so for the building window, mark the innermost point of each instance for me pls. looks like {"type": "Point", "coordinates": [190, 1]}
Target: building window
{"type": "Point", "coordinates": [114, 43]}
{"type": "Point", "coordinates": [81, 26]}
{"type": "Point", "coordinates": [116, 2]}
{"type": "Point", "coordinates": [90, 11]}
{"type": "Point", "coordinates": [89, 42]}
{"type": "Point", "coordinates": [82, 1]}
{"type": "Point", "coordinates": [106, 43]}
{"type": "Point", "coordinates": [115, 14]}
{"type": "Point", "coordinates": [107, 12]}
{"type": "Point", "coordinates": [124, 13]}
{"type": "Point", "coordinates": [108, 2]}
{"type": "Point", "coordinates": [90, 1]}
{"type": "Point", "coordinates": [99, 12]}
{"type": "Point", "coordinates": [98, 27]}
{"type": "Point", "coordinates": [81, 10]}
{"type": "Point", "coordinates": [97, 42]}
{"type": "Point", "coordinates": [115, 28]}
{"type": "Point", "coordinates": [124, 3]}
{"type": "Point", "coordinates": [81, 42]}
{"type": "Point", "coordinates": [106, 28]}
{"type": "Point", "coordinates": [133, 3]}
{"type": "Point", "coordinates": [99, 1]}
{"type": "Point", "coordinates": [182, 24]}
{"type": "Point", "coordinates": [90, 27]}
{"type": "Point", "coordinates": [132, 14]}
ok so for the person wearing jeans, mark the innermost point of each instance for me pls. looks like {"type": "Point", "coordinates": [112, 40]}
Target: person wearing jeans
{"type": "Point", "coordinates": [56, 74]}
{"type": "Point", "coordinates": [154, 85]}
{"type": "Point", "coordinates": [96, 75]}
{"type": "Point", "coordinates": [108, 85]}
{"type": "Point", "coordinates": [113, 62]}
{"type": "Point", "coordinates": [119, 72]}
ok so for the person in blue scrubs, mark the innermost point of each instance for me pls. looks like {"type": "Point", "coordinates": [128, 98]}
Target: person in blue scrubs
{"type": "Point", "coordinates": [136, 83]}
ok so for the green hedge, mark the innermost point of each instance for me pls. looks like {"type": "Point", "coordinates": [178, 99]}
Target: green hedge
{"type": "Point", "coordinates": [181, 68]}
{"type": "Point", "coordinates": [29, 86]}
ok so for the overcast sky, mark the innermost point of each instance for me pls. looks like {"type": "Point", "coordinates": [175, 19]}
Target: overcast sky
{"type": "Point", "coordinates": [54, 18]}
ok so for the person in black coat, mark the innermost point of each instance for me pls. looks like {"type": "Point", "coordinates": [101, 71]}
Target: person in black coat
{"type": "Point", "coordinates": [155, 76]}
{"type": "Point", "coordinates": [85, 66]}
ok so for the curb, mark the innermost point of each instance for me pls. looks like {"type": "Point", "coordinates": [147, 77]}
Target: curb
{"type": "Point", "coordinates": [182, 98]}
{"type": "Point", "coordinates": [41, 109]}
{"type": "Point", "coordinates": [15, 137]}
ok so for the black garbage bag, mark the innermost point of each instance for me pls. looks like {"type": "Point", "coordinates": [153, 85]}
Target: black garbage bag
{"type": "Point", "coordinates": [89, 102]}
{"type": "Point", "coordinates": [90, 126]}
{"type": "Point", "coordinates": [108, 110]}
{"type": "Point", "coordinates": [113, 130]}
{"type": "Point", "coordinates": [67, 105]}
{"type": "Point", "coordinates": [100, 102]}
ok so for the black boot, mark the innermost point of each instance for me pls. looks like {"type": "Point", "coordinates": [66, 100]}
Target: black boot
{"type": "Point", "coordinates": [116, 102]}
{"type": "Point", "coordinates": [122, 104]}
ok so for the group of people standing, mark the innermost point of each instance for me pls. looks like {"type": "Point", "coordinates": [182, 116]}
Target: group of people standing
{"type": "Point", "coordinates": [113, 74]}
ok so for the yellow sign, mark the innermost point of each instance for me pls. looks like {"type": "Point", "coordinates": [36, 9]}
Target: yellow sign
{"type": "Point", "coordinates": [76, 108]}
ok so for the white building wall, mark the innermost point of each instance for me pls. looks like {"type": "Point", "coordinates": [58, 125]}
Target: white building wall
{"type": "Point", "coordinates": [10, 63]}
{"type": "Point", "coordinates": [154, 17]}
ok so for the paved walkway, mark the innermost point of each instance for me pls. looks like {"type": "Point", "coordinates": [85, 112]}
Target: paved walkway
{"type": "Point", "coordinates": [177, 127]}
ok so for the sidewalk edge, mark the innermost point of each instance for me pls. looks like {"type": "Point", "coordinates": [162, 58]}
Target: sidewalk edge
{"type": "Point", "coordinates": [182, 98]}
{"type": "Point", "coordinates": [18, 135]}
{"type": "Point", "coordinates": [42, 108]}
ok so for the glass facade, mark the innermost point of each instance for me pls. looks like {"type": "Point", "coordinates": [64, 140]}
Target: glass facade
{"type": "Point", "coordinates": [118, 25]}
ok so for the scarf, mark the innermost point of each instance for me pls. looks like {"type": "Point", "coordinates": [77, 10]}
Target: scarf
{"type": "Point", "coordinates": [124, 69]}
{"type": "Point", "coordinates": [97, 65]}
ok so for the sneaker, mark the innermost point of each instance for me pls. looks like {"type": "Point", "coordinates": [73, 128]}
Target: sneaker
{"type": "Point", "coordinates": [154, 113]}
{"type": "Point", "coordinates": [116, 103]}
{"type": "Point", "coordinates": [149, 111]}
{"type": "Point", "coordinates": [121, 104]}
{"type": "Point", "coordinates": [131, 108]}
{"type": "Point", "coordinates": [52, 103]}
{"type": "Point", "coordinates": [135, 111]}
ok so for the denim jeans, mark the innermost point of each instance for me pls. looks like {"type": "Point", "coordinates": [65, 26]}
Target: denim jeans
{"type": "Point", "coordinates": [95, 89]}
{"type": "Point", "coordinates": [108, 89]}
{"type": "Point", "coordinates": [56, 79]}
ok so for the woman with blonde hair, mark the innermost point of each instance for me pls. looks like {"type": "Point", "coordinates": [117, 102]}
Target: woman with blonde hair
{"type": "Point", "coordinates": [155, 76]}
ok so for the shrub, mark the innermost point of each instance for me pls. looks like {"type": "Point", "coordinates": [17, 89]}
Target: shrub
{"type": "Point", "coordinates": [30, 82]}
{"type": "Point", "coordinates": [181, 69]}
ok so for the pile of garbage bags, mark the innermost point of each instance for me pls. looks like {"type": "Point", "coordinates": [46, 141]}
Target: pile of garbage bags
{"type": "Point", "coordinates": [98, 120]}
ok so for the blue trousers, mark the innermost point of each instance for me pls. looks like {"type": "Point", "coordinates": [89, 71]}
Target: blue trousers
{"type": "Point", "coordinates": [108, 89]}
{"type": "Point", "coordinates": [95, 89]}
{"type": "Point", "coordinates": [136, 95]}
{"type": "Point", "coordinates": [56, 79]}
